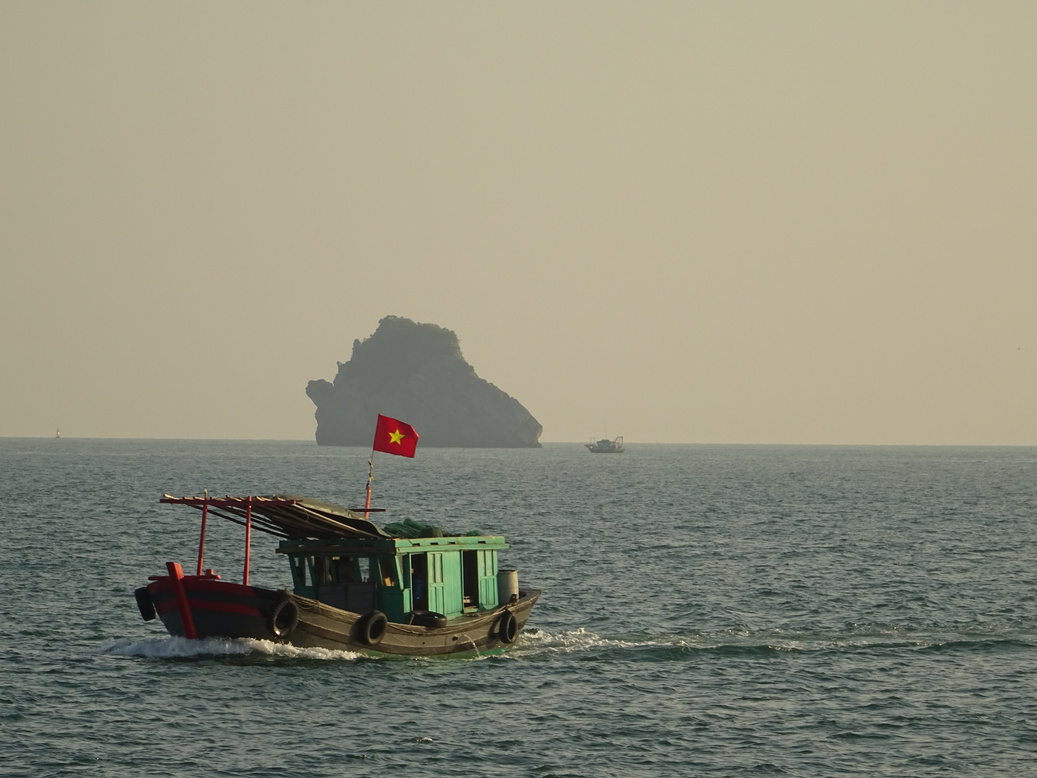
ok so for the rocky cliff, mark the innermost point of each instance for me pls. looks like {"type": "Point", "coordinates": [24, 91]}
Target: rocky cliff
{"type": "Point", "coordinates": [417, 374]}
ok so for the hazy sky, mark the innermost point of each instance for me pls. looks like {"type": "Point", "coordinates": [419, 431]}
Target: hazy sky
{"type": "Point", "coordinates": [744, 222]}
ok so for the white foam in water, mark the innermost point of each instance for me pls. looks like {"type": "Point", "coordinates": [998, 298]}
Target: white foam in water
{"type": "Point", "coordinates": [182, 648]}
{"type": "Point", "coordinates": [579, 640]}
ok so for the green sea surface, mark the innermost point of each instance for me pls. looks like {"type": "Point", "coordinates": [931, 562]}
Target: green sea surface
{"type": "Point", "coordinates": [706, 610]}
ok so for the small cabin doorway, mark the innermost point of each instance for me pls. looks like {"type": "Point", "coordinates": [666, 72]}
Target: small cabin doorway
{"type": "Point", "coordinates": [470, 579]}
{"type": "Point", "coordinates": [419, 581]}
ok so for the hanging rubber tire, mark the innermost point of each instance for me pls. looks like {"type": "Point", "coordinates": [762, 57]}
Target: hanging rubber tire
{"type": "Point", "coordinates": [507, 628]}
{"type": "Point", "coordinates": [428, 619]}
{"type": "Point", "coordinates": [284, 618]}
{"type": "Point", "coordinates": [372, 628]}
{"type": "Point", "coordinates": [144, 603]}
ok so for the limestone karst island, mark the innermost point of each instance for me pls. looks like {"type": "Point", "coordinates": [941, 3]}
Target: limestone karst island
{"type": "Point", "coordinates": [416, 372]}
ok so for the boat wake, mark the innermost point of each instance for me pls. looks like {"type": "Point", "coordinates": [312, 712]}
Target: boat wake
{"type": "Point", "coordinates": [738, 642]}
{"type": "Point", "coordinates": [182, 648]}
{"type": "Point", "coordinates": [536, 643]}
{"type": "Point", "coordinates": [575, 641]}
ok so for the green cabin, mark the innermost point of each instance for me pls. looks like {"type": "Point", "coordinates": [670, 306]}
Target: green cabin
{"type": "Point", "coordinates": [398, 576]}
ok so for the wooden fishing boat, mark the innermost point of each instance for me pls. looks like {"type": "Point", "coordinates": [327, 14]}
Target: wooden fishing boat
{"type": "Point", "coordinates": [407, 589]}
{"type": "Point", "coordinates": [605, 446]}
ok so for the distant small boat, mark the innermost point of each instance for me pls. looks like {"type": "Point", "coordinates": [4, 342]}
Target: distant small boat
{"type": "Point", "coordinates": [606, 446]}
{"type": "Point", "coordinates": [57, 434]}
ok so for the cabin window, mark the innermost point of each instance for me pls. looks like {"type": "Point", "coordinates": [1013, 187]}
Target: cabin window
{"type": "Point", "coordinates": [345, 570]}
{"type": "Point", "coordinates": [387, 570]}
{"type": "Point", "coordinates": [322, 570]}
{"type": "Point", "coordinates": [364, 568]}
{"type": "Point", "coordinates": [300, 571]}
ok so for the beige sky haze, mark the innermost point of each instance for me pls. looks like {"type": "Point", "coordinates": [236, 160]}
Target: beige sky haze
{"type": "Point", "coordinates": [723, 222]}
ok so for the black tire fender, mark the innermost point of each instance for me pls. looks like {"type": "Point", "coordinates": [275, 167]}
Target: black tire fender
{"type": "Point", "coordinates": [283, 618]}
{"type": "Point", "coordinates": [144, 603]}
{"type": "Point", "coordinates": [507, 628]}
{"type": "Point", "coordinates": [372, 628]}
{"type": "Point", "coordinates": [428, 619]}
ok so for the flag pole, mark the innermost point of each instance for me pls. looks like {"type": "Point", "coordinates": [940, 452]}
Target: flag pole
{"type": "Point", "coordinates": [370, 478]}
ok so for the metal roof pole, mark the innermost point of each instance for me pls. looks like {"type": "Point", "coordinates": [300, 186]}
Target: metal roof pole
{"type": "Point", "coordinates": [201, 541]}
{"type": "Point", "coordinates": [248, 538]}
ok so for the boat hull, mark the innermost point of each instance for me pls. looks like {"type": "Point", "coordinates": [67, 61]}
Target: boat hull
{"type": "Point", "coordinates": [221, 609]}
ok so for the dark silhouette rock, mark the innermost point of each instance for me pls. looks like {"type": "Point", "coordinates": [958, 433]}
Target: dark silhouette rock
{"type": "Point", "coordinates": [416, 373]}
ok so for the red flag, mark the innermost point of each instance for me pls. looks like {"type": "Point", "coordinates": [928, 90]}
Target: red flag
{"type": "Point", "coordinates": [395, 437]}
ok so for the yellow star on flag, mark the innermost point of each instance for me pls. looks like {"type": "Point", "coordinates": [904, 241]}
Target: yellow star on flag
{"type": "Point", "coordinates": [396, 437]}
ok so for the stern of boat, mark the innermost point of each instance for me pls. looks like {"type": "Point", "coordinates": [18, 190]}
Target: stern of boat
{"type": "Point", "coordinates": [203, 606]}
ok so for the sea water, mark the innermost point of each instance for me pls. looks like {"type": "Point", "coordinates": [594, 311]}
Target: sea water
{"type": "Point", "coordinates": [706, 610]}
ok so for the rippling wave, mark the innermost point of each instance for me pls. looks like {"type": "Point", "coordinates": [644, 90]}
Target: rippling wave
{"type": "Point", "coordinates": [714, 611]}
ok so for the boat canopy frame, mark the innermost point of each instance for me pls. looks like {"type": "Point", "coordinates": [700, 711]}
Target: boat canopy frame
{"type": "Point", "coordinates": [308, 526]}
{"type": "Point", "coordinates": [286, 516]}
